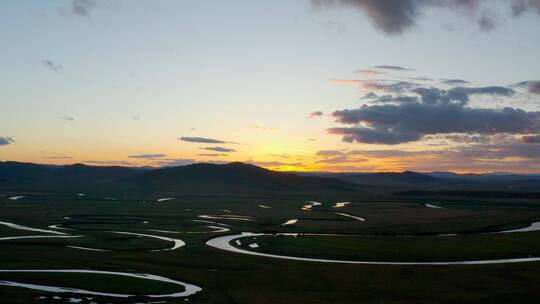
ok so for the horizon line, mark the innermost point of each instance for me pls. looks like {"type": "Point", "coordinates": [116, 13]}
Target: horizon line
{"type": "Point", "coordinates": [254, 164]}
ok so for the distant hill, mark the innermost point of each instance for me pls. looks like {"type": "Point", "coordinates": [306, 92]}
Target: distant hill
{"type": "Point", "coordinates": [232, 178]}
{"type": "Point", "coordinates": [196, 179]}
{"type": "Point", "coordinates": [382, 178]}
{"type": "Point", "coordinates": [440, 180]}
{"type": "Point", "coordinates": [77, 177]}
{"type": "Point", "coordinates": [240, 178]}
{"type": "Point", "coordinates": [486, 176]}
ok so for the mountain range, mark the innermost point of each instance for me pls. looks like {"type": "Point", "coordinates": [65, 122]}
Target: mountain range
{"type": "Point", "coordinates": [196, 179]}
{"type": "Point", "coordinates": [238, 179]}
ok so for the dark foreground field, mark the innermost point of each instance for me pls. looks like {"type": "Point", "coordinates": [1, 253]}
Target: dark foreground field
{"type": "Point", "coordinates": [396, 228]}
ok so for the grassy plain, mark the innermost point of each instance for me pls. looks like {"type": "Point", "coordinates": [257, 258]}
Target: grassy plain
{"type": "Point", "coordinates": [234, 278]}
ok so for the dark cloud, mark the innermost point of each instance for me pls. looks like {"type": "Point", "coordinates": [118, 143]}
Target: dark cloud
{"type": "Point", "coordinates": [78, 8]}
{"type": "Point", "coordinates": [53, 66]}
{"type": "Point", "coordinates": [391, 86]}
{"type": "Point", "coordinates": [521, 6]}
{"type": "Point", "coordinates": [394, 17]}
{"type": "Point", "coordinates": [390, 98]}
{"type": "Point", "coordinates": [461, 94]}
{"type": "Point", "coordinates": [496, 151]}
{"type": "Point", "coordinates": [421, 78]}
{"type": "Point", "coordinates": [371, 95]}
{"type": "Point", "coordinates": [463, 138]}
{"type": "Point", "coordinates": [148, 156]}
{"type": "Point", "coordinates": [202, 140]}
{"type": "Point", "coordinates": [406, 122]}
{"type": "Point", "coordinates": [315, 114]}
{"type": "Point", "coordinates": [454, 81]}
{"type": "Point", "coordinates": [219, 149]}
{"type": "Point", "coordinates": [379, 85]}
{"type": "Point", "coordinates": [373, 136]}
{"type": "Point", "coordinates": [136, 117]}
{"type": "Point", "coordinates": [534, 86]}
{"type": "Point", "coordinates": [522, 84]}
{"type": "Point", "coordinates": [411, 112]}
{"type": "Point", "coordinates": [531, 139]}
{"type": "Point", "coordinates": [491, 90]}
{"type": "Point", "coordinates": [67, 118]}
{"type": "Point", "coordinates": [486, 22]}
{"type": "Point", "coordinates": [392, 68]}
{"type": "Point", "coordinates": [435, 95]}
{"type": "Point", "coordinates": [390, 16]}
{"type": "Point", "coordinates": [6, 140]}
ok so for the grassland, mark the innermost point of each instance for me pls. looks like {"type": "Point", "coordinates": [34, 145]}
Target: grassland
{"type": "Point", "coordinates": [234, 278]}
{"type": "Point", "coordinates": [103, 283]}
{"type": "Point", "coordinates": [400, 249]}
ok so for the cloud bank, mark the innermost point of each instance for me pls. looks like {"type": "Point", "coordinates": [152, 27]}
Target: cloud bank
{"type": "Point", "coordinates": [218, 149]}
{"type": "Point", "coordinates": [392, 68]}
{"type": "Point", "coordinates": [410, 112]}
{"type": "Point", "coordinates": [531, 139]}
{"type": "Point", "coordinates": [202, 140]}
{"type": "Point", "coordinates": [78, 8]}
{"type": "Point", "coordinates": [487, 155]}
{"type": "Point", "coordinates": [534, 87]}
{"type": "Point", "coordinates": [53, 66]}
{"type": "Point", "coordinates": [315, 114]}
{"type": "Point", "coordinates": [6, 140]}
{"type": "Point", "coordinates": [394, 17]}
{"type": "Point", "coordinates": [395, 124]}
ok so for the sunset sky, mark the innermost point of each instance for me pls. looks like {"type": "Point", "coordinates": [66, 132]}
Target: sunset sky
{"type": "Point", "coordinates": [321, 85]}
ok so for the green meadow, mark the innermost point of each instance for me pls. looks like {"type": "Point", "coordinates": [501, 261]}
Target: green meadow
{"type": "Point", "coordinates": [395, 229]}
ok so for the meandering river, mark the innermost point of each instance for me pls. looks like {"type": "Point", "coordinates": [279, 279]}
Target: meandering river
{"type": "Point", "coordinates": [190, 289]}
{"type": "Point", "coordinates": [224, 243]}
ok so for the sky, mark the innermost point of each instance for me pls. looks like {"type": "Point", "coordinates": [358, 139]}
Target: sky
{"type": "Point", "coordinates": [302, 85]}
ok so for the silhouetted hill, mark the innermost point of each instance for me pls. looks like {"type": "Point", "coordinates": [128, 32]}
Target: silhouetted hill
{"type": "Point", "coordinates": [94, 174]}
{"type": "Point", "coordinates": [232, 178]}
{"type": "Point", "coordinates": [196, 179]}
{"type": "Point", "coordinates": [486, 176]}
{"type": "Point", "coordinates": [77, 177]}
{"type": "Point", "coordinates": [239, 179]}
{"type": "Point", "coordinates": [382, 178]}
{"type": "Point", "coordinates": [440, 180]}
